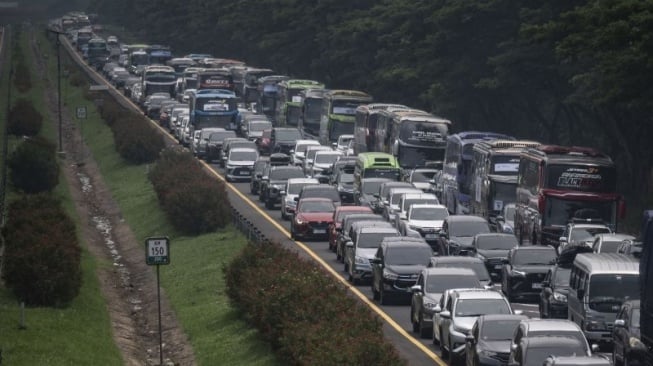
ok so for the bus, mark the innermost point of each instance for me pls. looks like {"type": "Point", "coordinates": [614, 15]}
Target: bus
{"type": "Point", "coordinates": [339, 113]}
{"type": "Point", "coordinates": [159, 79]}
{"type": "Point", "coordinates": [415, 137]}
{"type": "Point", "coordinates": [83, 36]}
{"type": "Point", "coordinates": [213, 108]}
{"type": "Point", "coordinates": [137, 58]}
{"type": "Point", "coordinates": [250, 83]}
{"type": "Point", "coordinates": [180, 64]}
{"type": "Point", "coordinates": [189, 78]}
{"type": "Point", "coordinates": [310, 110]}
{"type": "Point", "coordinates": [215, 79]}
{"type": "Point", "coordinates": [375, 165]}
{"type": "Point", "coordinates": [365, 124]}
{"type": "Point", "coordinates": [268, 95]}
{"type": "Point", "coordinates": [288, 108]}
{"type": "Point", "coordinates": [456, 169]}
{"type": "Point", "coordinates": [495, 165]}
{"type": "Point", "coordinates": [158, 55]}
{"type": "Point", "coordinates": [556, 184]}
{"type": "Point", "coordinates": [98, 52]}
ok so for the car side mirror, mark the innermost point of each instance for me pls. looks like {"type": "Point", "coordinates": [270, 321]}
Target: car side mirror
{"type": "Point", "coordinates": [437, 308]}
{"type": "Point", "coordinates": [334, 145]}
{"type": "Point", "coordinates": [499, 218]}
{"type": "Point", "coordinates": [470, 339]}
{"type": "Point", "coordinates": [349, 244]}
{"type": "Point", "coordinates": [416, 288]}
{"type": "Point", "coordinates": [292, 151]}
{"type": "Point", "coordinates": [375, 260]}
{"type": "Point", "coordinates": [562, 239]}
{"type": "Point", "coordinates": [619, 323]}
{"type": "Point", "coordinates": [595, 347]}
{"type": "Point", "coordinates": [505, 261]}
{"type": "Point", "coordinates": [445, 314]}
{"type": "Point", "coordinates": [518, 312]}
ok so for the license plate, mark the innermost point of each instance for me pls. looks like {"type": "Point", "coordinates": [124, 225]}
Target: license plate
{"type": "Point", "coordinates": [537, 285]}
{"type": "Point", "coordinates": [430, 236]}
{"type": "Point", "coordinates": [319, 231]}
{"type": "Point", "coordinates": [498, 266]}
{"type": "Point", "coordinates": [244, 172]}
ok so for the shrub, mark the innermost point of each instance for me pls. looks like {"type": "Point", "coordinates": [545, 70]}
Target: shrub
{"type": "Point", "coordinates": [136, 141]}
{"type": "Point", "coordinates": [42, 255]}
{"type": "Point", "coordinates": [33, 166]}
{"type": "Point", "coordinates": [305, 314]}
{"type": "Point", "coordinates": [24, 119]}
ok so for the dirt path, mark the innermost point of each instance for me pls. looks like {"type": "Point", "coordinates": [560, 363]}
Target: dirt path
{"type": "Point", "coordinates": [129, 285]}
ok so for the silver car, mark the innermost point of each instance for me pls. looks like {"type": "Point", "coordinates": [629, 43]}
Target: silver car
{"type": "Point", "coordinates": [240, 164]}
{"type": "Point", "coordinates": [293, 187]}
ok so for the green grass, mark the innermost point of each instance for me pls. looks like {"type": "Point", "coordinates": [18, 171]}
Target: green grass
{"type": "Point", "coordinates": [79, 334]}
{"type": "Point", "coordinates": [193, 281]}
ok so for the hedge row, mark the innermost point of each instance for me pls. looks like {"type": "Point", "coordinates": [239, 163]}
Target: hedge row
{"type": "Point", "coordinates": [42, 255]}
{"type": "Point", "coordinates": [33, 166]}
{"type": "Point", "coordinates": [24, 119]}
{"type": "Point", "coordinates": [307, 316]}
{"type": "Point", "coordinates": [194, 202]}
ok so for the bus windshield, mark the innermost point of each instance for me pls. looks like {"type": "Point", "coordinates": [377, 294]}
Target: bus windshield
{"type": "Point", "coordinates": [312, 110]}
{"type": "Point", "coordinates": [390, 173]}
{"type": "Point", "coordinates": [410, 156]}
{"type": "Point", "coordinates": [505, 165]}
{"type": "Point", "coordinates": [215, 104]}
{"type": "Point", "coordinates": [560, 212]}
{"type": "Point", "coordinates": [422, 133]}
{"type": "Point", "coordinates": [345, 107]}
{"type": "Point", "coordinates": [597, 179]}
{"type": "Point", "coordinates": [504, 193]}
{"type": "Point", "coordinates": [340, 128]}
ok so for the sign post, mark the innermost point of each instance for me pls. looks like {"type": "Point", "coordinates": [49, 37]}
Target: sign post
{"type": "Point", "coordinates": [157, 252]}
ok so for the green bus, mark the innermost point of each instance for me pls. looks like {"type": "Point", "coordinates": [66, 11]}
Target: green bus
{"type": "Point", "coordinates": [376, 165]}
{"type": "Point", "coordinates": [339, 113]}
{"type": "Point", "coordinates": [288, 109]}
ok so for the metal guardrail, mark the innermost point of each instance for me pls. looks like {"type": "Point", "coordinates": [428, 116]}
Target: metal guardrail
{"type": "Point", "coordinates": [247, 227]}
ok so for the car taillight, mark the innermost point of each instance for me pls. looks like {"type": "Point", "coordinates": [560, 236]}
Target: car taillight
{"type": "Point", "coordinates": [541, 203]}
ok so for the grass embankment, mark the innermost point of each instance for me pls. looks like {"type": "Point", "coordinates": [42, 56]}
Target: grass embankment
{"type": "Point", "coordinates": [79, 334]}
{"type": "Point", "coordinates": [194, 280]}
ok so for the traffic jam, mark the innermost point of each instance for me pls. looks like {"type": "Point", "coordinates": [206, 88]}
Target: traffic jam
{"type": "Point", "coordinates": [489, 249]}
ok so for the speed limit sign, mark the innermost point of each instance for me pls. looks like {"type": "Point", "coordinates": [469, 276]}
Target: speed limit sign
{"type": "Point", "coordinates": [157, 251]}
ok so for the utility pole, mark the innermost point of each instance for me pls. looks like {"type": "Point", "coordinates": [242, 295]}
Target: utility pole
{"type": "Point", "coordinates": [59, 86]}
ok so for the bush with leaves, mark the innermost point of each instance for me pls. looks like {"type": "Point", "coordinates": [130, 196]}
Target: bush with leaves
{"type": "Point", "coordinates": [33, 166]}
{"type": "Point", "coordinates": [305, 314]}
{"type": "Point", "coordinates": [136, 140]}
{"type": "Point", "coordinates": [42, 255]}
{"type": "Point", "coordinates": [24, 119]}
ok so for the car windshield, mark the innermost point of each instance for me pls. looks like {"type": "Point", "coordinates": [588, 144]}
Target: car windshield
{"type": "Point", "coordinates": [330, 193]}
{"type": "Point", "coordinates": [613, 288]}
{"type": "Point", "coordinates": [326, 158]}
{"type": "Point", "coordinates": [346, 179]}
{"type": "Point", "coordinates": [220, 136]}
{"type": "Point", "coordinates": [509, 213]}
{"type": "Point", "coordinates": [407, 256]}
{"type": "Point", "coordinates": [259, 126]}
{"type": "Point", "coordinates": [422, 176]}
{"type": "Point", "coordinates": [634, 318]}
{"type": "Point", "coordinates": [561, 277]}
{"type": "Point", "coordinates": [610, 246]}
{"type": "Point", "coordinates": [437, 284]}
{"type": "Point", "coordinates": [468, 228]}
{"type": "Point", "coordinates": [285, 174]}
{"type": "Point", "coordinates": [372, 240]}
{"type": "Point", "coordinates": [243, 156]}
{"type": "Point", "coordinates": [429, 213]}
{"type": "Point", "coordinates": [498, 329]}
{"type": "Point", "coordinates": [537, 356]}
{"type": "Point", "coordinates": [478, 307]}
{"type": "Point", "coordinates": [371, 187]}
{"type": "Point", "coordinates": [526, 256]}
{"type": "Point", "coordinates": [412, 201]}
{"type": "Point", "coordinates": [311, 153]}
{"type": "Point", "coordinates": [302, 147]}
{"type": "Point", "coordinates": [316, 206]}
{"type": "Point", "coordinates": [502, 242]}
{"type": "Point", "coordinates": [296, 187]}
{"type": "Point", "coordinates": [288, 135]}
{"type": "Point", "coordinates": [396, 197]}
{"type": "Point", "coordinates": [584, 234]}
{"type": "Point", "coordinates": [477, 266]}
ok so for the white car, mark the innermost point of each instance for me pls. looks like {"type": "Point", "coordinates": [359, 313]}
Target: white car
{"type": "Point", "coordinates": [343, 143]}
{"type": "Point", "coordinates": [299, 151]}
{"type": "Point", "coordinates": [293, 186]}
{"type": "Point", "coordinates": [322, 161]}
{"type": "Point", "coordinates": [426, 219]}
{"type": "Point", "coordinates": [240, 163]}
{"type": "Point", "coordinates": [310, 155]}
{"type": "Point", "coordinates": [423, 178]}
{"type": "Point", "coordinates": [578, 232]}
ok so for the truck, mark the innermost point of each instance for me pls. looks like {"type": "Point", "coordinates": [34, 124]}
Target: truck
{"type": "Point", "coordinates": [646, 286]}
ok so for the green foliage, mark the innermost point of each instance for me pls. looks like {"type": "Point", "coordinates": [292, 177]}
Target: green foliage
{"type": "Point", "coordinates": [42, 255]}
{"type": "Point", "coordinates": [24, 119]}
{"type": "Point", "coordinates": [194, 202]}
{"type": "Point", "coordinates": [33, 166]}
{"type": "Point", "coordinates": [303, 312]}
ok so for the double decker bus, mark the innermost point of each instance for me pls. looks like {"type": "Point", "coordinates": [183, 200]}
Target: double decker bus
{"type": "Point", "coordinates": [251, 79]}
{"type": "Point", "coordinates": [365, 125]}
{"type": "Point", "coordinates": [495, 165]}
{"type": "Point", "coordinates": [556, 184]}
{"type": "Point", "coordinates": [159, 79]}
{"type": "Point", "coordinates": [288, 109]}
{"type": "Point", "coordinates": [456, 169]}
{"type": "Point", "coordinates": [268, 95]}
{"type": "Point", "coordinates": [311, 109]}
{"type": "Point", "coordinates": [213, 108]}
{"type": "Point", "coordinates": [415, 137]}
{"type": "Point", "coordinates": [339, 113]}
{"type": "Point", "coordinates": [215, 79]}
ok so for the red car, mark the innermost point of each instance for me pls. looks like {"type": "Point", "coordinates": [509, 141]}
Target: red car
{"type": "Point", "coordinates": [264, 142]}
{"type": "Point", "coordinates": [312, 218]}
{"type": "Point", "coordinates": [336, 221]}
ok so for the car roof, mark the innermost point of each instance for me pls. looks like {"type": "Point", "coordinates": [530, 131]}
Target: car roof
{"type": "Point", "coordinates": [318, 186]}
{"type": "Point", "coordinates": [481, 294]}
{"type": "Point", "coordinates": [455, 259]}
{"type": "Point", "coordinates": [492, 317]}
{"type": "Point", "coordinates": [427, 205]}
{"type": "Point", "coordinates": [551, 341]}
{"type": "Point", "coordinates": [495, 235]}
{"type": "Point", "coordinates": [614, 237]}
{"type": "Point", "coordinates": [441, 271]}
{"type": "Point", "coordinates": [353, 208]}
{"type": "Point", "coordinates": [581, 360]}
{"type": "Point", "coordinates": [465, 218]}
{"type": "Point", "coordinates": [419, 195]}
{"type": "Point", "coordinates": [376, 179]}
{"type": "Point", "coordinates": [328, 151]}
{"type": "Point", "coordinates": [404, 240]}
{"type": "Point", "coordinates": [375, 229]}
{"type": "Point", "coordinates": [544, 325]}
{"type": "Point", "coordinates": [316, 199]}
{"type": "Point", "coordinates": [303, 180]}
{"type": "Point", "coordinates": [534, 247]}
{"type": "Point", "coordinates": [576, 225]}
{"type": "Point", "coordinates": [238, 149]}
{"type": "Point", "coordinates": [371, 224]}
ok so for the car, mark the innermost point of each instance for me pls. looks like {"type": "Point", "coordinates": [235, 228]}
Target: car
{"type": "Point", "coordinates": [293, 187]}
{"type": "Point", "coordinates": [264, 142]}
{"type": "Point", "coordinates": [273, 183]}
{"type": "Point", "coordinates": [235, 143]}
{"type": "Point", "coordinates": [628, 348]}
{"type": "Point", "coordinates": [505, 221]}
{"type": "Point", "coordinates": [493, 249]}
{"type": "Point", "coordinates": [488, 343]}
{"type": "Point", "coordinates": [458, 232]}
{"type": "Point", "coordinates": [365, 240]}
{"type": "Point", "coordinates": [240, 163]}
{"type": "Point", "coordinates": [426, 219]}
{"type": "Point", "coordinates": [630, 247]}
{"type": "Point", "coordinates": [473, 263]}
{"type": "Point", "coordinates": [408, 199]}
{"type": "Point", "coordinates": [596, 360]}
{"type": "Point", "coordinates": [367, 194]}
{"type": "Point", "coordinates": [553, 297]}
{"type": "Point", "coordinates": [582, 231]}
{"type": "Point", "coordinates": [336, 226]}
{"type": "Point", "coordinates": [309, 157]}
{"type": "Point", "coordinates": [459, 315]}
{"type": "Point", "coordinates": [524, 271]}
{"type": "Point", "coordinates": [320, 190]}
{"type": "Point", "coordinates": [343, 164]}
{"type": "Point", "coordinates": [535, 351]}
{"type": "Point", "coordinates": [298, 153]}
{"type": "Point", "coordinates": [283, 139]}
{"type": "Point", "coordinates": [199, 147]}
{"type": "Point", "coordinates": [422, 178]}
{"type": "Point", "coordinates": [609, 243]}
{"type": "Point", "coordinates": [396, 266]}
{"type": "Point", "coordinates": [215, 143]}
{"type": "Point", "coordinates": [391, 202]}
{"type": "Point", "coordinates": [344, 183]}
{"type": "Point", "coordinates": [257, 175]}
{"type": "Point", "coordinates": [342, 144]}
{"type": "Point", "coordinates": [255, 125]}
{"type": "Point", "coordinates": [380, 201]}
{"type": "Point", "coordinates": [312, 218]}
{"type": "Point", "coordinates": [345, 227]}
{"type": "Point", "coordinates": [431, 284]}
{"type": "Point", "coordinates": [534, 328]}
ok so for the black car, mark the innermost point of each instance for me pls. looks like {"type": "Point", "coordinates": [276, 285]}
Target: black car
{"type": "Point", "coordinates": [524, 272]}
{"type": "Point", "coordinates": [628, 348]}
{"type": "Point", "coordinates": [283, 139]}
{"type": "Point", "coordinates": [214, 145]}
{"type": "Point", "coordinates": [257, 175]}
{"type": "Point", "coordinates": [473, 263]}
{"type": "Point", "coordinates": [320, 190]}
{"type": "Point", "coordinates": [344, 183]}
{"type": "Point", "coordinates": [273, 183]}
{"type": "Point", "coordinates": [488, 344]}
{"type": "Point", "coordinates": [367, 191]}
{"type": "Point", "coordinates": [457, 234]}
{"type": "Point", "coordinates": [555, 288]}
{"type": "Point", "coordinates": [492, 249]}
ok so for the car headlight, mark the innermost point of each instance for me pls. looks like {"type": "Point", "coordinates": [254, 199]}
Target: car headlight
{"type": "Point", "coordinates": [460, 329]}
{"type": "Point", "coordinates": [361, 260]}
{"type": "Point", "coordinates": [559, 297]}
{"type": "Point", "coordinates": [635, 342]}
{"type": "Point", "coordinates": [299, 221]}
{"type": "Point", "coordinates": [508, 230]}
{"type": "Point", "coordinates": [389, 275]}
{"type": "Point", "coordinates": [517, 273]}
{"type": "Point", "coordinates": [230, 167]}
{"type": "Point", "coordinates": [430, 304]}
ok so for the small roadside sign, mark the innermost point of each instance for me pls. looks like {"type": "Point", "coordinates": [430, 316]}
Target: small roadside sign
{"type": "Point", "coordinates": [98, 87]}
{"type": "Point", "coordinates": [157, 251]}
{"type": "Point", "coordinates": [81, 112]}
